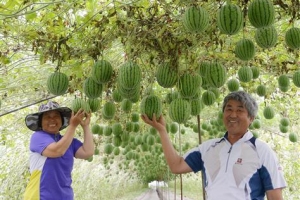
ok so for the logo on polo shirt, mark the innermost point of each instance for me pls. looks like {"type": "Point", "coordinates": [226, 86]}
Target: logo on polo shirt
{"type": "Point", "coordinates": [239, 161]}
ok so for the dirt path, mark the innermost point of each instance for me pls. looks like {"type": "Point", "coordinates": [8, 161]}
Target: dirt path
{"type": "Point", "coordinates": [153, 194]}
{"type": "Point", "coordinates": [169, 195]}
{"type": "Point", "coordinates": [150, 194]}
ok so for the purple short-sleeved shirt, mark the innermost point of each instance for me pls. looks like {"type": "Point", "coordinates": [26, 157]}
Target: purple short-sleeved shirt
{"type": "Point", "coordinates": [50, 177]}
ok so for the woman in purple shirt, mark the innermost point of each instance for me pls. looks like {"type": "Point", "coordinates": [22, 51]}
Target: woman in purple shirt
{"type": "Point", "coordinates": [51, 154]}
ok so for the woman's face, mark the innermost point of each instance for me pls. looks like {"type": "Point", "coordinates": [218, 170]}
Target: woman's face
{"type": "Point", "coordinates": [51, 121]}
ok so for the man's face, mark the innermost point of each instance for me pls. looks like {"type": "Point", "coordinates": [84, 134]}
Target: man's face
{"type": "Point", "coordinates": [51, 121]}
{"type": "Point", "coordinates": [236, 118]}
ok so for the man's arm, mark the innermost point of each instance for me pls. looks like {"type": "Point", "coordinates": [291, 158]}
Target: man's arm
{"type": "Point", "coordinates": [275, 194]}
{"type": "Point", "coordinates": [175, 161]}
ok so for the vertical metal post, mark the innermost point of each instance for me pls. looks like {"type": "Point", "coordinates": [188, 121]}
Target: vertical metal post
{"type": "Point", "coordinates": [202, 174]}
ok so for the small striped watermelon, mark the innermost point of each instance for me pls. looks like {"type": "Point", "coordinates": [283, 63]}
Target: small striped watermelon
{"type": "Point", "coordinates": [233, 85]}
{"type": "Point", "coordinates": [284, 83]}
{"type": "Point", "coordinates": [202, 69]}
{"type": "Point", "coordinates": [126, 105]}
{"type": "Point", "coordinates": [76, 104]}
{"type": "Point", "coordinates": [196, 19]}
{"type": "Point", "coordinates": [150, 140]}
{"type": "Point", "coordinates": [208, 98]}
{"type": "Point", "coordinates": [167, 75]}
{"type": "Point", "coordinates": [107, 130]}
{"type": "Point", "coordinates": [96, 129]}
{"type": "Point", "coordinates": [292, 38]}
{"type": "Point", "coordinates": [179, 110]}
{"type": "Point", "coordinates": [57, 83]}
{"type": "Point", "coordinates": [79, 103]}
{"type": "Point", "coordinates": [151, 105]}
{"type": "Point", "coordinates": [94, 104]}
{"type": "Point", "coordinates": [117, 128]}
{"type": "Point", "coordinates": [261, 13]}
{"type": "Point", "coordinates": [174, 127]}
{"type": "Point", "coordinates": [101, 71]}
{"type": "Point", "coordinates": [269, 112]}
{"type": "Point", "coordinates": [130, 75]}
{"type": "Point", "coordinates": [117, 141]}
{"type": "Point", "coordinates": [261, 90]}
{"type": "Point", "coordinates": [205, 84]}
{"type": "Point", "coordinates": [245, 74]}
{"type": "Point", "coordinates": [108, 148]}
{"type": "Point", "coordinates": [283, 129]}
{"type": "Point", "coordinates": [196, 106]}
{"type": "Point", "coordinates": [216, 91]}
{"type": "Point", "coordinates": [296, 78]}
{"type": "Point", "coordinates": [189, 84]}
{"type": "Point", "coordinates": [108, 110]}
{"type": "Point", "coordinates": [230, 19]}
{"type": "Point", "coordinates": [135, 117]}
{"type": "Point", "coordinates": [116, 151]}
{"type": "Point", "coordinates": [138, 139]}
{"type": "Point", "coordinates": [91, 88]}
{"type": "Point", "coordinates": [293, 137]}
{"type": "Point", "coordinates": [136, 127]}
{"type": "Point", "coordinates": [128, 93]}
{"type": "Point", "coordinates": [117, 97]}
{"type": "Point", "coordinates": [245, 49]}
{"type": "Point", "coordinates": [284, 121]}
{"type": "Point", "coordinates": [255, 72]}
{"type": "Point", "coordinates": [216, 75]}
{"type": "Point", "coordinates": [256, 124]}
{"type": "Point", "coordinates": [266, 37]}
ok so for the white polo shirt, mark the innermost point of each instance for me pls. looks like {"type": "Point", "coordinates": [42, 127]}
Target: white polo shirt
{"type": "Point", "coordinates": [244, 170]}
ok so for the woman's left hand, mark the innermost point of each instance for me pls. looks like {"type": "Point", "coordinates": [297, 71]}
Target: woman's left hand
{"type": "Point", "coordinates": [86, 120]}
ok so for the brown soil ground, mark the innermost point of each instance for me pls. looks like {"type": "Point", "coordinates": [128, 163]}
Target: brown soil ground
{"type": "Point", "coordinates": [159, 194]}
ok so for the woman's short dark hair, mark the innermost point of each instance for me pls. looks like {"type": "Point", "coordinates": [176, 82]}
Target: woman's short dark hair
{"type": "Point", "coordinates": [246, 99]}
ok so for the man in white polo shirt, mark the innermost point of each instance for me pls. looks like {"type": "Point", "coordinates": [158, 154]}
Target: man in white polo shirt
{"type": "Point", "coordinates": [237, 166]}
